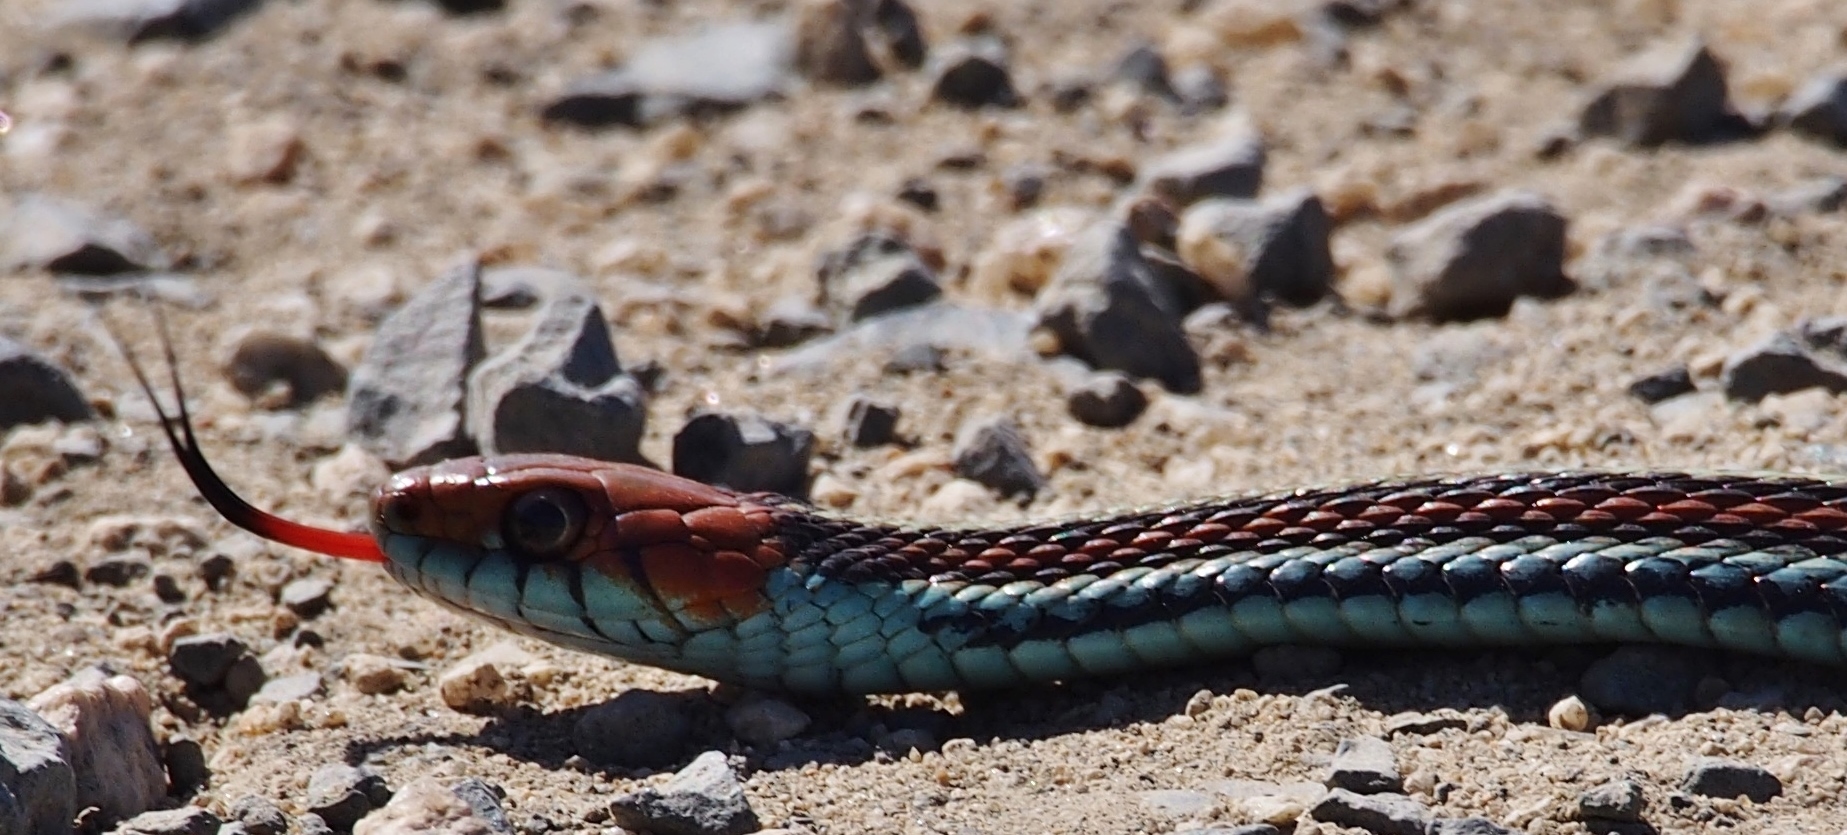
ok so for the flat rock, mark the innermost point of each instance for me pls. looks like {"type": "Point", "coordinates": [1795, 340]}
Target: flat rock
{"type": "Point", "coordinates": [1672, 93]}
{"type": "Point", "coordinates": [723, 67]}
{"type": "Point", "coordinates": [293, 688]}
{"type": "Point", "coordinates": [1380, 814]}
{"type": "Point", "coordinates": [1662, 385]}
{"type": "Point", "coordinates": [705, 798]}
{"type": "Point", "coordinates": [1618, 800]}
{"type": "Point", "coordinates": [637, 728]}
{"type": "Point", "coordinates": [993, 452]}
{"type": "Point", "coordinates": [876, 273]}
{"type": "Point", "coordinates": [1818, 108]}
{"type": "Point", "coordinates": [406, 398]}
{"type": "Point", "coordinates": [999, 335]}
{"type": "Point", "coordinates": [259, 815]}
{"type": "Point", "coordinates": [1276, 248]}
{"type": "Point", "coordinates": [1788, 361]}
{"type": "Point", "coordinates": [560, 388]}
{"type": "Point", "coordinates": [744, 452]}
{"type": "Point", "coordinates": [141, 20]}
{"type": "Point", "coordinates": [188, 820]}
{"type": "Point", "coordinates": [1108, 309]}
{"type": "Point", "coordinates": [35, 774]}
{"type": "Point", "coordinates": [113, 756]}
{"type": "Point", "coordinates": [36, 389]}
{"type": "Point", "coordinates": [43, 232]}
{"type": "Point", "coordinates": [1227, 164]}
{"type": "Point", "coordinates": [342, 794]}
{"type": "Point", "coordinates": [1365, 765]}
{"type": "Point", "coordinates": [1472, 259]}
{"type": "Point", "coordinates": [1716, 777]}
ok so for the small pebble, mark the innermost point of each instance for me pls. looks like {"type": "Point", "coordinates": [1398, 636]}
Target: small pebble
{"type": "Point", "coordinates": [870, 424]}
{"type": "Point", "coordinates": [1365, 765]}
{"type": "Point", "coordinates": [341, 794]}
{"type": "Point", "coordinates": [1663, 385]}
{"type": "Point", "coordinates": [1107, 399]}
{"type": "Point", "coordinates": [259, 815]}
{"type": "Point", "coordinates": [307, 597]}
{"type": "Point", "coordinates": [1570, 714]}
{"type": "Point", "coordinates": [705, 798]}
{"type": "Point", "coordinates": [1617, 800]}
{"type": "Point", "coordinates": [993, 453]}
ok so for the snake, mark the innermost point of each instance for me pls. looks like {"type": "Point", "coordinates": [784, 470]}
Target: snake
{"type": "Point", "coordinates": [767, 591]}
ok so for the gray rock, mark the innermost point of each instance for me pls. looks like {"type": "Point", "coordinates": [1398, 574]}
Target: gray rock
{"type": "Point", "coordinates": [36, 390]}
{"type": "Point", "coordinates": [1000, 335]}
{"type": "Point", "coordinates": [1715, 777]}
{"type": "Point", "coordinates": [1819, 108]}
{"type": "Point", "coordinates": [1280, 244]}
{"type": "Point", "coordinates": [186, 768]}
{"type": "Point", "coordinates": [993, 453]}
{"type": "Point", "coordinates": [259, 816]}
{"type": "Point", "coordinates": [1107, 308]}
{"type": "Point", "coordinates": [1107, 399]}
{"type": "Point", "coordinates": [406, 399]}
{"type": "Point", "coordinates": [1473, 258]}
{"type": "Point", "coordinates": [903, 741]}
{"type": "Point", "coordinates": [1781, 363]}
{"type": "Point", "coordinates": [560, 388]}
{"type": "Point", "coordinates": [106, 722]}
{"type": "Point", "coordinates": [791, 321]}
{"type": "Point", "coordinates": [973, 73]}
{"type": "Point", "coordinates": [1145, 69]}
{"type": "Point", "coordinates": [187, 820]}
{"type": "Point", "coordinates": [1423, 724]}
{"type": "Point", "coordinates": [1365, 765]}
{"type": "Point", "coordinates": [37, 783]}
{"type": "Point", "coordinates": [484, 798]}
{"type": "Point", "coordinates": [1466, 826]}
{"type": "Point", "coordinates": [288, 688]}
{"type": "Point", "coordinates": [1617, 800]}
{"type": "Point", "coordinates": [835, 40]}
{"type": "Point", "coordinates": [307, 597]}
{"type": "Point", "coordinates": [720, 68]}
{"type": "Point", "coordinates": [312, 824]}
{"type": "Point", "coordinates": [916, 359]}
{"type": "Point", "coordinates": [876, 273]}
{"type": "Point", "coordinates": [1381, 814]}
{"type": "Point", "coordinates": [1663, 385]}
{"type": "Point", "coordinates": [265, 359]}
{"type": "Point", "coordinates": [638, 728]}
{"type": "Point", "coordinates": [142, 20]}
{"type": "Point", "coordinates": [1639, 680]}
{"type": "Point", "coordinates": [243, 681]}
{"type": "Point", "coordinates": [705, 798]}
{"type": "Point", "coordinates": [1228, 164]}
{"type": "Point", "coordinates": [1200, 89]}
{"type": "Point", "coordinates": [119, 570]}
{"type": "Point", "coordinates": [765, 721]}
{"type": "Point", "coordinates": [1673, 93]}
{"type": "Point", "coordinates": [341, 794]}
{"type": "Point", "coordinates": [43, 232]}
{"type": "Point", "coordinates": [744, 452]}
{"type": "Point", "coordinates": [204, 660]}
{"type": "Point", "coordinates": [870, 424]}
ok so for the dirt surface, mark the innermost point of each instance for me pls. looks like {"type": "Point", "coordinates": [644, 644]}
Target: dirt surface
{"type": "Point", "coordinates": [419, 144]}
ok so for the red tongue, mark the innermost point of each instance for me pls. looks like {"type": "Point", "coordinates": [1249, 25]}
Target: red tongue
{"type": "Point", "coordinates": [351, 546]}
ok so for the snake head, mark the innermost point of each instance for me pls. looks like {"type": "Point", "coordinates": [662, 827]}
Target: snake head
{"type": "Point", "coordinates": [616, 558]}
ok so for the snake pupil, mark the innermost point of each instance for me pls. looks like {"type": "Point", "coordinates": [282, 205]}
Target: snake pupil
{"type": "Point", "coordinates": [544, 522]}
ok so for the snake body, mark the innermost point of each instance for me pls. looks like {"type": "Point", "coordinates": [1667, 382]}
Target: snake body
{"type": "Point", "coordinates": [766, 591]}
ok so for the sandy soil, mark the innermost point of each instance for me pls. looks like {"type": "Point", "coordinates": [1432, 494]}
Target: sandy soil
{"type": "Point", "coordinates": [401, 177]}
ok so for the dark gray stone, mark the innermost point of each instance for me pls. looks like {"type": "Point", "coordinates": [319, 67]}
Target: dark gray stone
{"type": "Point", "coordinates": [1663, 385]}
{"type": "Point", "coordinates": [973, 73]}
{"type": "Point", "coordinates": [341, 794]}
{"type": "Point", "coordinates": [1107, 399]}
{"type": "Point", "coordinates": [205, 660]}
{"type": "Point", "coordinates": [1108, 309]}
{"type": "Point", "coordinates": [36, 390]}
{"type": "Point", "coordinates": [38, 788]}
{"type": "Point", "coordinates": [835, 39]}
{"type": "Point", "coordinates": [1715, 777]}
{"type": "Point", "coordinates": [265, 359]}
{"type": "Point", "coordinates": [484, 799]}
{"type": "Point", "coordinates": [744, 452]}
{"type": "Point", "coordinates": [870, 424]}
{"type": "Point", "coordinates": [1228, 164]}
{"type": "Point", "coordinates": [245, 678]}
{"type": "Point", "coordinates": [39, 231]}
{"type": "Point", "coordinates": [1284, 241]}
{"type": "Point", "coordinates": [1781, 363]}
{"type": "Point", "coordinates": [1673, 93]}
{"type": "Point", "coordinates": [1365, 765]}
{"type": "Point", "coordinates": [1472, 259]}
{"type": "Point", "coordinates": [259, 816]}
{"type": "Point", "coordinates": [1639, 680]}
{"type": "Point", "coordinates": [187, 820]}
{"type": "Point", "coordinates": [1617, 800]}
{"type": "Point", "coordinates": [1423, 724]}
{"type": "Point", "coordinates": [638, 728]}
{"type": "Point", "coordinates": [186, 768]}
{"type": "Point", "coordinates": [1819, 108]}
{"type": "Point", "coordinates": [1144, 68]}
{"type": "Point", "coordinates": [119, 570]}
{"type": "Point", "coordinates": [307, 597]}
{"type": "Point", "coordinates": [406, 399]}
{"type": "Point", "coordinates": [143, 20]}
{"type": "Point", "coordinates": [766, 721]}
{"type": "Point", "coordinates": [720, 68]}
{"type": "Point", "coordinates": [1381, 814]}
{"type": "Point", "coordinates": [705, 798]}
{"type": "Point", "coordinates": [876, 273]}
{"type": "Point", "coordinates": [560, 388]}
{"type": "Point", "coordinates": [993, 453]}
{"type": "Point", "coordinates": [791, 321]}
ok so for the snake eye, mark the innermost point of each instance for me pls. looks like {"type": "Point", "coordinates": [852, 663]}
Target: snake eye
{"type": "Point", "coordinates": [544, 522]}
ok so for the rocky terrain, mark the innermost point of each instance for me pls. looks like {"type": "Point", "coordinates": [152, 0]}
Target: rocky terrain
{"type": "Point", "coordinates": [945, 261]}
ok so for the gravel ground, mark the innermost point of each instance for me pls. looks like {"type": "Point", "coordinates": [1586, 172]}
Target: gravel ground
{"type": "Point", "coordinates": [313, 164]}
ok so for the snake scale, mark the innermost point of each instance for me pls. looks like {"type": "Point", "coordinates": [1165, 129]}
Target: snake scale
{"type": "Point", "coordinates": [764, 590]}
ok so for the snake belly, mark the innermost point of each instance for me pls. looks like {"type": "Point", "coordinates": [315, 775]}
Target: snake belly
{"type": "Point", "coordinates": [1746, 563]}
